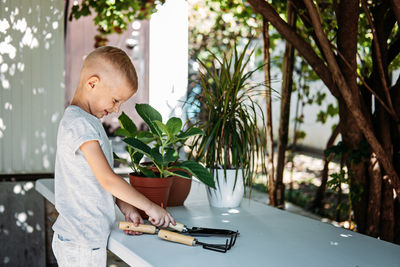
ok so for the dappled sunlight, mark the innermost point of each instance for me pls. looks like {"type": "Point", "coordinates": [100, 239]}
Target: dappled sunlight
{"type": "Point", "coordinates": [21, 218]}
{"type": "Point", "coordinates": [6, 48]}
{"type": "Point", "coordinates": [8, 106]}
{"type": "Point", "coordinates": [336, 243]}
{"type": "Point", "coordinates": [2, 128]}
{"type": "Point", "coordinates": [31, 84]}
{"type": "Point", "coordinates": [346, 235]}
{"type": "Point", "coordinates": [233, 211]}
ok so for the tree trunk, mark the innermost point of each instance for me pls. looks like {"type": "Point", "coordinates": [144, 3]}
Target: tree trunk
{"type": "Point", "coordinates": [387, 211]}
{"type": "Point", "coordinates": [304, 48]}
{"type": "Point", "coordinates": [328, 75]}
{"type": "Point", "coordinates": [287, 83]}
{"type": "Point", "coordinates": [347, 17]}
{"type": "Point", "coordinates": [374, 203]}
{"type": "Point", "coordinates": [397, 220]}
{"type": "Point", "coordinates": [396, 9]}
{"type": "Point", "coordinates": [319, 197]}
{"type": "Point", "coordinates": [356, 112]}
{"type": "Point", "coordinates": [270, 139]}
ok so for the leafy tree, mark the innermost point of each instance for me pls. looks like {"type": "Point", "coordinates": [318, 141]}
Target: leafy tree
{"type": "Point", "coordinates": [353, 47]}
{"type": "Point", "coordinates": [113, 16]}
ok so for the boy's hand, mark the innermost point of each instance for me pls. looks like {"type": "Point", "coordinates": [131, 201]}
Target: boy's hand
{"type": "Point", "coordinates": [159, 216]}
{"type": "Point", "coordinates": [131, 215]}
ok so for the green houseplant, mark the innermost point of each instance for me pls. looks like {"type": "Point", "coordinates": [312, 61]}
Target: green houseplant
{"type": "Point", "coordinates": [233, 123]}
{"type": "Point", "coordinates": [160, 145]}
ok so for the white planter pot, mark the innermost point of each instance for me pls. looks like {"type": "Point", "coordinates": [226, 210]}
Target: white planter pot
{"type": "Point", "coordinates": [224, 196]}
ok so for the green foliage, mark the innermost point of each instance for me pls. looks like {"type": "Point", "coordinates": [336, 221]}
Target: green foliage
{"type": "Point", "coordinates": [113, 16]}
{"type": "Point", "coordinates": [300, 135]}
{"type": "Point", "coordinates": [331, 111]}
{"type": "Point", "coordinates": [160, 145]}
{"type": "Point", "coordinates": [337, 179]}
{"type": "Point", "coordinates": [215, 25]}
{"type": "Point", "coordinates": [232, 138]}
{"type": "Point", "coordinates": [354, 156]}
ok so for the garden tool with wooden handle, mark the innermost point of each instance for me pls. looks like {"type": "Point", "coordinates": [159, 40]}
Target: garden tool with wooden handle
{"type": "Point", "coordinates": [191, 241]}
{"type": "Point", "coordinates": [179, 227]}
{"type": "Point", "coordinates": [201, 231]}
{"type": "Point", "coordinates": [178, 238]}
{"type": "Point", "coordinates": [143, 228]}
{"type": "Point", "coordinates": [147, 228]}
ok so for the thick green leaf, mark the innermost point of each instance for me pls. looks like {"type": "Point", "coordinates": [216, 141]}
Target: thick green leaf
{"type": "Point", "coordinates": [128, 124]}
{"type": "Point", "coordinates": [156, 157]}
{"type": "Point", "coordinates": [122, 132]}
{"type": "Point", "coordinates": [163, 127]}
{"type": "Point", "coordinates": [149, 115]}
{"type": "Point", "coordinates": [146, 137]}
{"type": "Point", "coordinates": [182, 174]}
{"type": "Point", "coordinates": [138, 146]}
{"type": "Point", "coordinates": [197, 171]}
{"type": "Point", "coordinates": [179, 174]}
{"type": "Point", "coordinates": [170, 156]}
{"type": "Point", "coordinates": [174, 125]}
{"type": "Point", "coordinates": [190, 132]}
{"type": "Point", "coordinates": [124, 161]}
{"type": "Point", "coordinates": [148, 172]}
{"type": "Point", "coordinates": [137, 157]}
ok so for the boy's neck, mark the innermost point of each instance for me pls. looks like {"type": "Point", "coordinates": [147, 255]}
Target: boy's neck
{"type": "Point", "coordinates": [78, 100]}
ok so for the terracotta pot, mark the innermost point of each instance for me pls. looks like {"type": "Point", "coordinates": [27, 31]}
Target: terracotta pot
{"type": "Point", "coordinates": [155, 189]}
{"type": "Point", "coordinates": [179, 191]}
{"type": "Point", "coordinates": [180, 187]}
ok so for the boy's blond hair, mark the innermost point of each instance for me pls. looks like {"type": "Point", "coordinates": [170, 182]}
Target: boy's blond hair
{"type": "Point", "coordinates": [119, 60]}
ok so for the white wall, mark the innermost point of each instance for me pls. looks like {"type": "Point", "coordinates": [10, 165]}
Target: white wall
{"type": "Point", "coordinates": [31, 83]}
{"type": "Point", "coordinates": [168, 57]}
{"type": "Point", "coordinates": [317, 134]}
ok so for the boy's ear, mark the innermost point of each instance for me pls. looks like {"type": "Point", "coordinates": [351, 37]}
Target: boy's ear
{"type": "Point", "coordinates": [92, 82]}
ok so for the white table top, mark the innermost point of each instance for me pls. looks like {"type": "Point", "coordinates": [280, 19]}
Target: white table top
{"type": "Point", "coordinates": [268, 237]}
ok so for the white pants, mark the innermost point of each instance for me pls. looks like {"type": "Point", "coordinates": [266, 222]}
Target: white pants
{"type": "Point", "coordinates": [71, 254]}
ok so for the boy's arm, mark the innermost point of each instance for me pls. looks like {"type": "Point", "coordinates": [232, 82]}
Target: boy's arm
{"type": "Point", "coordinates": [118, 187]}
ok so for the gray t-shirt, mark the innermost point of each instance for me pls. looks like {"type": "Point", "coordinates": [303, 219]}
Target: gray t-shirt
{"type": "Point", "coordinates": [86, 209]}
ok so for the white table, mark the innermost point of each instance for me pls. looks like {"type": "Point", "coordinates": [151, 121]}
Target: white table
{"type": "Point", "coordinates": [268, 237]}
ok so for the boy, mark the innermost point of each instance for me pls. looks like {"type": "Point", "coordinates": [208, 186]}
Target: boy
{"type": "Point", "coordinates": [84, 180]}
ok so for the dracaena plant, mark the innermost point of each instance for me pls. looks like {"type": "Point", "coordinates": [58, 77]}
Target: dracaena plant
{"type": "Point", "coordinates": [160, 145]}
{"type": "Point", "coordinates": [233, 121]}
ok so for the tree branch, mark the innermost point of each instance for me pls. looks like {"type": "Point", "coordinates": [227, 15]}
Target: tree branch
{"type": "Point", "coordinates": [396, 9]}
{"type": "Point", "coordinates": [378, 55]}
{"type": "Point", "coordinates": [392, 112]}
{"type": "Point", "coordinates": [349, 100]}
{"type": "Point", "coordinates": [304, 48]}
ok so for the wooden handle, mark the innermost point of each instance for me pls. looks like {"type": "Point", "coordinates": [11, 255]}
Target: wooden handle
{"type": "Point", "coordinates": [144, 228]}
{"type": "Point", "coordinates": [178, 227]}
{"type": "Point", "coordinates": [175, 237]}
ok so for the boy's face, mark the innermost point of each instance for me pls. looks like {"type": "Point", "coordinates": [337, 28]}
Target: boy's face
{"type": "Point", "coordinates": [107, 94]}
